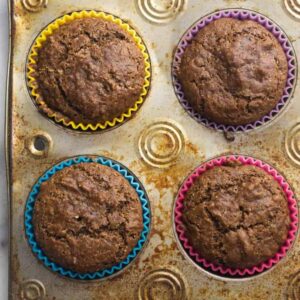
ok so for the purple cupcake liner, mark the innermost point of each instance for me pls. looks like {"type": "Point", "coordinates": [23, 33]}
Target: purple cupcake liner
{"type": "Point", "coordinates": [241, 14]}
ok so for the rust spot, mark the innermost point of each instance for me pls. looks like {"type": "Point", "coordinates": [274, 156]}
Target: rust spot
{"type": "Point", "coordinates": [22, 18]}
{"type": "Point", "coordinates": [163, 179]}
{"type": "Point", "coordinates": [111, 155]}
{"type": "Point", "coordinates": [193, 149]}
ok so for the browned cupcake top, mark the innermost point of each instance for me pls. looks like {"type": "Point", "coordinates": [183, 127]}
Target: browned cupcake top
{"type": "Point", "coordinates": [89, 71]}
{"type": "Point", "coordinates": [236, 215]}
{"type": "Point", "coordinates": [233, 72]}
{"type": "Point", "coordinates": [87, 217]}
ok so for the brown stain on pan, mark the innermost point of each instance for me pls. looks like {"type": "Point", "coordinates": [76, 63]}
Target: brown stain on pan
{"type": "Point", "coordinates": [192, 149]}
{"type": "Point", "coordinates": [112, 155]}
{"type": "Point", "coordinates": [23, 18]}
{"type": "Point", "coordinates": [162, 252]}
{"type": "Point", "coordinates": [170, 178]}
{"type": "Point", "coordinates": [165, 181]}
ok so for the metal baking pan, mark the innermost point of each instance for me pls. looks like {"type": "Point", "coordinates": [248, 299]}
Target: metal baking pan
{"type": "Point", "coordinates": [161, 145]}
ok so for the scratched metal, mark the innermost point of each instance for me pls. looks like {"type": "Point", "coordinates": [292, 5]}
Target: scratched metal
{"type": "Point", "coordinates": [161, 145]}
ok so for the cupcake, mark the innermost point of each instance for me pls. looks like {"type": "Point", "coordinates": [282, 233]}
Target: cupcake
{"type": "Point", "coordinates": [89, 70]}
{"type": "Point", "coordinates": [233, 72]}
{"type": "Point", "coordinates": [87, 218]}
{"type": "Point", "coordinates": [235, 216]}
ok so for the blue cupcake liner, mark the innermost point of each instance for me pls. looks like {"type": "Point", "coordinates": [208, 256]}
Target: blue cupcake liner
{"type": "Point", "coordinates": [134, 182]}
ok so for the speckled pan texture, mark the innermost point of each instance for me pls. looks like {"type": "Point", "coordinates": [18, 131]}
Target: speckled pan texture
{"type": "Point", "coordinates": [161, 144]}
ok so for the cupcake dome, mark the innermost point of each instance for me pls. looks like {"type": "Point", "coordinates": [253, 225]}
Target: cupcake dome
{"type": "Point", "coordinates": [87, 217]}
{"type": "Point", "coordinates": [236, 215]}
{"type": "Point", "coordinates": [90, 70]}
{"type": "Point", "coordinates": [233, 72]}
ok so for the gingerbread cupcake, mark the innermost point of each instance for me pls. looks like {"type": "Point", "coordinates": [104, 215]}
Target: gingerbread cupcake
{"type": "Point", "coordinates": [89, 219]}
{"type": "Point", "coordinates": [88, 70]}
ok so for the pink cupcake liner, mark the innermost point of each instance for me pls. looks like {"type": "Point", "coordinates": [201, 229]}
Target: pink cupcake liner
{"type": "Point", "coordinates": [241, 14]}
{"type": "Point", "coordinates": [220, 269]}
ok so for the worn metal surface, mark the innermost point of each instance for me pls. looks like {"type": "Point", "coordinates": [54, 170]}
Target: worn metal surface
{"type": "Point", "coordinates": [161, 145]}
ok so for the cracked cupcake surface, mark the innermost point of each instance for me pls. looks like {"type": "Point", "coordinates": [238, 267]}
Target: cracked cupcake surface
{"type": "Point", "coordinates": [89, 71]}
{"type": "Point", "coordinates": [233, 72]}
{"type": "Point", "coordinates": [87, 218]}
{"type": "Point", "coordinates": [236, 215]}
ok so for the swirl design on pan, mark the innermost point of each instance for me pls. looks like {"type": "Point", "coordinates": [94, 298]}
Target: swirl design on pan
{"type": "Point", "coordinates": [292, 144]}
{"type": "Point", "coordinates": [293, 292]}
{"type": "Point", "coordinates": [160, 11]}
{"type": "Point", "coordinates": [161, 143]}
{"type": "Point", "coordinates": [32, 290]}
{"type": "Point", "coordinates": [34, 5]}
{"type": "Point", "coordinates": [293, 7]}
{"type": "Point", "coordinates": [162, 283]}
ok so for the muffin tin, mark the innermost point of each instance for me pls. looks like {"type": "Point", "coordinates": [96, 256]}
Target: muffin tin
{"type": "Point", "coordinates": [161, 145]}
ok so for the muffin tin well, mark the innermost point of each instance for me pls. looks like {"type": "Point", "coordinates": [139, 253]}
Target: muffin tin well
{"type": "Point", "coordinates": [100, 274]}
{"type": "Point", "coordinates": [224, 272]}
{"type": "Point", "coordinates": [54, 113]}
{"type": "Point", "coordinates": [161, 145]}
{"type": "Point", "coordinates": [238, 14]}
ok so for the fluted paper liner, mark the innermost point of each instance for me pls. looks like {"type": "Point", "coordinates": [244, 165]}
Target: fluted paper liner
{"type": "Point", "coordinates": [221, 269]}
{"type": "Point", "coordinates": [29, 230]}
{"type": "Point", "coordinates": [48, 31]}
{"type": "Point", "coordinates": [241, 14]}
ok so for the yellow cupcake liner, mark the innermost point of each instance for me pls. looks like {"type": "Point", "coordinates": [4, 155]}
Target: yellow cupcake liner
{"type": "Point", "coordinates": [31, 64]}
